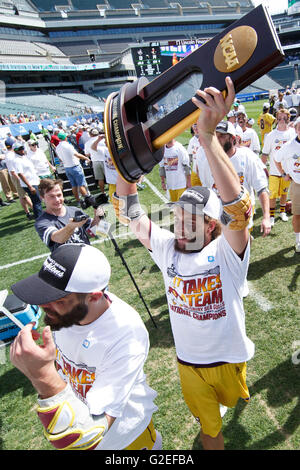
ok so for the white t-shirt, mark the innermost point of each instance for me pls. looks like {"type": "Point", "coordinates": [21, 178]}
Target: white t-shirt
{"type": "Point", "coordinates": [109, 168]}
{"type": "Point", "coordinates": [250, 140]}
{"type": "Point", "coordinates": [295, 99]}
{"type": "Point", "coordinates": [103, 362]}
{"type": "Point", "coordinates": [10, 160]}
{"type": "Point", "coordinates": [40, 162]}
{"type": "Point", "coordinates": [65, 152]}
{"type": "Point", "coordinates": [25, 166]}
{"type": "Point", "coordinates": [289, 100]}
{"type": "Point", "coordinates": [278, 103]}
{"type": "Point", "coordinates": [95, 155]}
{"type": "Point", "coordinates": [248, 166]}
{"type": "Point", "coordinates": [192, 149]}
{"type": "Point", "coordinates": [204, 293]}
{"type": "Point", "coordinates": [273, 143]}
{"type": "Point", "coordinates": [289, 157]}
{"type": "Point", "coordinates": [173, 161]}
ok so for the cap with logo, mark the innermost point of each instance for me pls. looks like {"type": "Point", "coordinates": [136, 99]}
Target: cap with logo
{"type": "Point", "coordinates": [226, 127]}
{"type": "Point", "coordinates": [69, 269]}
{"type": "Point", "coordinates": [200, 200]}
{"type": "Point", "coordinates": [18, 146]}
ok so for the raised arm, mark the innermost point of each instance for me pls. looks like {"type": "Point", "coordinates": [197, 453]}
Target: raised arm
{"type": "Point", "coordinates": [214, 108]}
{"type": "Point", "coordinates": [140, 224]}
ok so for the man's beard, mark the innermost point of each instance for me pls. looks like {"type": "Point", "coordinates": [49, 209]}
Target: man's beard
{"type": "Point", "coordinates": [73, 317]}
{"type": "Point", "coordinates": [227, 146]}
{"type": "Point", "coordinates": [193, 246]}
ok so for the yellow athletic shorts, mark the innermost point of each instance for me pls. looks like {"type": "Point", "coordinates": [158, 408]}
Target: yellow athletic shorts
{"type": "Point", "coordinates": [278, 186]}
{"type": "Point", "coordinates": [111, 191]}
{"type": "Point", "coordinates": [146, 440]}
{"type": "Point", "coordinates": [175, 194]}
{"type": "Point", "coordinates": [195, 180]}
{"type": "Point", "coordinates": [204, 389]}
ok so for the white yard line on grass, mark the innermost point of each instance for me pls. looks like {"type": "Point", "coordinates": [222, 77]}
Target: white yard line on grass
{"type": "Point", "coordinates": [156, 191]}
{"type": "Point", "coordinates": [259, 298]}
{"type": "Point", "coordinates": [28, 260]}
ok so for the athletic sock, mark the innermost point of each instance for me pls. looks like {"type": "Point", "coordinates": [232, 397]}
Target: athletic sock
{"type": "Point", "coordinates": [272, 212]}
{"type": "Point", "coordinates": [297, 237]}
{"type": "Point", "coordinates": [282, 208]}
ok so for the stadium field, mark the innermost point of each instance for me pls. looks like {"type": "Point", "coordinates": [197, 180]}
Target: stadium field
{"type": "Point", "coordinates": [269, 422]}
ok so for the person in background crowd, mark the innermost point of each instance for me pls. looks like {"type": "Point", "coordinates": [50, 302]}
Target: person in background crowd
{"type": "Point", "coordinates": [29, 179]}
{"type": "Point", "coordinates": [265, 121]}
{"type": "Point", "coordinates": [278, 185]}
{"type": "Point", "coordinates": [287, 160]}
{"type": "Point", "coordinates": [175, 170]}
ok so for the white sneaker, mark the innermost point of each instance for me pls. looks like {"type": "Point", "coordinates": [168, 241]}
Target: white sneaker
{"type": "Point", "coordinates": [297, 247]}
{"type": "Point", "coordinates": [283, 217]}
{"type": "Point", "coordinates": [272, 221]}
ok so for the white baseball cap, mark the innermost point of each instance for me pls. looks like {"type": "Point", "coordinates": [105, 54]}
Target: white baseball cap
{"type": "Point", "coordinates": [266, 105]}
{"type": "Point", "coordinates": [73, 267]}
{"type": "Point", "coordinates": [226, 127]}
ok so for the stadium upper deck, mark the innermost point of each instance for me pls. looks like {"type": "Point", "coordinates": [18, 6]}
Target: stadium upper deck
{"type": "Point", "coordinates": [70, 44]}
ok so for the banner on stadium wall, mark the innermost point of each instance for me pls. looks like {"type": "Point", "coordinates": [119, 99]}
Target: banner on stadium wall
{"type": "Point", "coordinates": [36, 126]}
{"type": "Point", "coordinates": [54, 67]}
{"type": "Point", "coordinates": [293, 7]}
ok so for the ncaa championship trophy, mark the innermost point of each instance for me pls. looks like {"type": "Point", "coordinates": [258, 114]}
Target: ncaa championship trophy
{"type": "Point", "coordinates": [142, 117]}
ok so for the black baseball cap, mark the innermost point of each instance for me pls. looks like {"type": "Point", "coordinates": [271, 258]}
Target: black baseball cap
{"type": "Point", "coordinates": [200, 200]}
{"type": "Point", "coordinates": [70, 268]}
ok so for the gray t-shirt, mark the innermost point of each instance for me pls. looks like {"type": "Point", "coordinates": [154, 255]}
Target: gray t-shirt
{"type": "Point", "coordinates": [46, 224]}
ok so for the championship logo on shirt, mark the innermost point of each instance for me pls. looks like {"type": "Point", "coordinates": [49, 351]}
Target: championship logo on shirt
{"type": "Point", "coordinates": [241, 176]}
{"type": "Point", "coordinates": [109, 163]}
{"type": "Point", "coordinates": [246, 143]}
{"type": "Point", "coordinates": [296, 164]}
{"type": "Point", "coordinates": [171, 164]}
{"type": "Point", "coordinates": [199, 297]}
{"type": "Point", "coordinates": [81, 377]}
{"type": "Point", "coordinates": [279, 144]}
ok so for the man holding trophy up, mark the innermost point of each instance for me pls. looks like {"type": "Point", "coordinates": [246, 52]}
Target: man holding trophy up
{"type": "Point", "coordinates": [205, 261]}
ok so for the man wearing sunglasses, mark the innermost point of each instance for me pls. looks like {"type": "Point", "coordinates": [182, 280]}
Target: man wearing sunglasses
{"type": "Point", "coordinates": [40, 162]}
{"type": "Point", "coordinates": [29, 179]}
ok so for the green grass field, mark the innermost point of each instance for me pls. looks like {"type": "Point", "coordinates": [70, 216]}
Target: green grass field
{"type": "Point", "coordinates": [269, 422]}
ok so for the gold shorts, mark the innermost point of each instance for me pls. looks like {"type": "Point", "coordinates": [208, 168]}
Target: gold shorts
{"type": "Point", "coordinates": [204, 389]}
{"type": "Point", "coordinates": [175, 194]}
{"type": "Point", "coordinates": [195, 180]}
{"type": "Point", "coordinates": [278, 186]}
{"type": "Point", "coordinates": [111, 191]}
{"type": "Point", "coordinates": [146, 440]}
